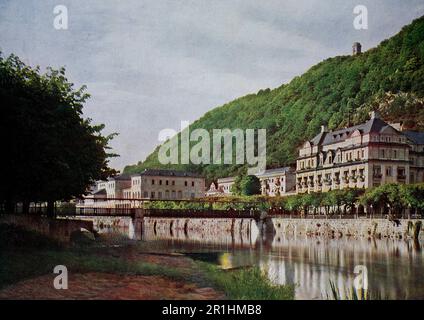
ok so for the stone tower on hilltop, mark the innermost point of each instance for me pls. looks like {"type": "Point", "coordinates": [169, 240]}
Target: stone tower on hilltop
{"type": "Point", "coordinates": [357, 48]}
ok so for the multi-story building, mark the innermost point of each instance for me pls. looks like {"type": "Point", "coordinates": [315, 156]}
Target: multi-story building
{"type": "Point", "coordinates": [362, 156]}
{"type": "Point", "coordinates": [278, 182]}
{"type": "Point", "coordinates": [167, 184]}
{"type": "Point", "coordinates": [225, 184]}
{"type": "Point", "coordinates": [122, 191]}
{"type": "Point", "coordinates": [416, 156]}
{"type": "Point", "coordinates": [115, 187]}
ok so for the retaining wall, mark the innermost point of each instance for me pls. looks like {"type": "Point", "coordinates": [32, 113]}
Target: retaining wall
{"type": "Point", "coordinates": [220, 230]}
{"type": "Point", "coordinates": [379, 228]}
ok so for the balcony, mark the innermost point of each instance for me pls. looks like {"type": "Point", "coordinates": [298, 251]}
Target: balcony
{"type": "Point", "coordinates": [327, 182]}
{"type": "Point", "coordinates": [336, 180]}
{"type": "Point", "coordinates": [345, 179]}
{"type": "Point", "coordinates": [401, 177]}
{"type": "Point", "coordinates": [353, 179]}
{"type": "Point", "coordinates": [361, 178]}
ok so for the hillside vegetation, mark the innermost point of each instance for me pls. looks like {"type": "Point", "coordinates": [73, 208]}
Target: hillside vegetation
{"type": "Point", "coordinates": [389, 77]}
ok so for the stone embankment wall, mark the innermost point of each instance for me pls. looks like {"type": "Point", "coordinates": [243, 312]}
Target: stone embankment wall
{"type": "Point", "coordinates": [378, 228]}
{"type": "Point", "coordinates": [126, 226]}
{"type": "Point", "coordinates": [219, 230]}
{"type": "Point", "coordinates": [59, 229]}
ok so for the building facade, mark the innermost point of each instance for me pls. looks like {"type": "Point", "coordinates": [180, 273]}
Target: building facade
{"type": "Point", "coordinates": [225, 184]}
{"type": "Point", "coordinates": [362, 156]}
{"type": "Point", "coordinates": [122, 191]}
{"type": "Point", "coordinates": [167, 184]}
{"type": "Point", "coordinates": [278, 182]}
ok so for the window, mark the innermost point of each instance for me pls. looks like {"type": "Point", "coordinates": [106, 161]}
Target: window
{"type": "Point", "coordinates": [363, 154]}
{"type": "Point", "coordinates": [185, 183]}
{"type": "Point", "coordinates": [153, 181]}
{"type": "Point", "coordinates": [192, 183]}
{"type": "Point", "coordinates": [173, 182]}
{"type": "Point", "coordinates": [389, 171]}
{"type": "Point", "coordinates": [152, 195]}
{"type": "Point", "coordinates": [376, 171]}
{"type": "Point", "coordinates": [146, 194]}
{"type": "Point", "coordinates": [166, 182]}
{"type": "Point", "coordinates": [159, 195]}
{"type": "Point", "coordinates": [395, 154]}
{"type": "Point", "coordinates": [160, 182]}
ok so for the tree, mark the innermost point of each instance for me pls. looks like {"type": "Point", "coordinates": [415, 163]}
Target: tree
{"type": "Point", "coordinates": [50, 152]}
{"type": "Point", "coordinates": [246, 185]}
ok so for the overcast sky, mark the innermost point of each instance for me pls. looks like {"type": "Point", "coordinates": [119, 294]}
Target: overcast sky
{"type": "Point", "coordinates": [151, 64]}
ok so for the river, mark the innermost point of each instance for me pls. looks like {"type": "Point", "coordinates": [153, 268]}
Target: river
{"type": "Point", "coordinates": [394, 267]}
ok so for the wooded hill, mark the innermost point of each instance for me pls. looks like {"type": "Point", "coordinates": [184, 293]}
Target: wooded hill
{"type": "Point", "coordinates": [389, 77]}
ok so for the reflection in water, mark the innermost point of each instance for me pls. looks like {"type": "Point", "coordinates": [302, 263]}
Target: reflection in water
{"type": "Point", "coordinates": [395, 267]}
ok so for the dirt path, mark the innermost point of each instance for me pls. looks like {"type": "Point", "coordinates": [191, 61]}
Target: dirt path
{"type": "Point", "coordinates": [88, 286]}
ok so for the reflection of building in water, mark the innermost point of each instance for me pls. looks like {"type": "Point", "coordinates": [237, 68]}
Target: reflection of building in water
{"type": "Point", "coordinates": [311, 263]}
{"type": "Point", "coordinates": [230, 231]}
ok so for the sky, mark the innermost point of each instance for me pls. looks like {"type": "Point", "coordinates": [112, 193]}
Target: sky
{"type": "Point", "coordinates": [150, 64]}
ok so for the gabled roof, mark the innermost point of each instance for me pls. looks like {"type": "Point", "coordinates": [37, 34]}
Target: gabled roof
{"type": "Point", "coordinates": [415, 136]}
{"type": "Point", "coordinates": [374, 125]}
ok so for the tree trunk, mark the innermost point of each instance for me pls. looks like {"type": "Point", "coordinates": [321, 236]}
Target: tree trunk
{"type": "Point", "coordinates": [50, 209]}
{"type": "Point", "coordinates": [9, 206]}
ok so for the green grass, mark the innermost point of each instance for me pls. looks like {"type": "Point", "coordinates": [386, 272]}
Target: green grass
{"type": "Point", "coordinates": [245, 284]}
{"type": "Point", "coordinates": [25, 254]}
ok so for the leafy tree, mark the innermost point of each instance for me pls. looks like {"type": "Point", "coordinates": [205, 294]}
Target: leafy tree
{"type": "Point", "coordinates": [246, 185]}
{"type": "Point", "coordinates": [50, 152]}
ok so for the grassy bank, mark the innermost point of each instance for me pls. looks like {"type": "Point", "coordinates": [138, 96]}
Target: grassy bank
{"type": "Point", "coordinates": [245, 284]}
{"type": "Point", "coordinates": [26, 254]}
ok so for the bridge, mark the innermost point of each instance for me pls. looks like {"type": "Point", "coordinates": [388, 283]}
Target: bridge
{"type": "Point", "coordinates": [196, 208]}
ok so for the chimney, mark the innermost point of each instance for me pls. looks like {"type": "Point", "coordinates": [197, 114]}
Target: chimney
{"type": "Point", "coordinates": [356, 48]}
{"type": "Point", "coordinates": [323, 129]}
{"type": "Point", "coordinates": [375, 115]}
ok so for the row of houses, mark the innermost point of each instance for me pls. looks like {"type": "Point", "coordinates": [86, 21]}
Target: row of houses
{"type": "Point", "coordinates": [362, 156]}
{"type": "Point", "coordinates": [121, 191]}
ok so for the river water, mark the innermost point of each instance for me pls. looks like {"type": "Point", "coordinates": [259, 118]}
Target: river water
{"type": "Point", "coordinates": [395, 268]}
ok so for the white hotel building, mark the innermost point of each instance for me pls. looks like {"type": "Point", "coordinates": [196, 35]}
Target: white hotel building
{"type": "Point", "coordinates": [362, 156]}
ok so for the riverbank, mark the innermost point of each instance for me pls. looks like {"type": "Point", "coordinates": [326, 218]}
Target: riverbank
{"type": "Point", "coordinates": [109, 269]}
